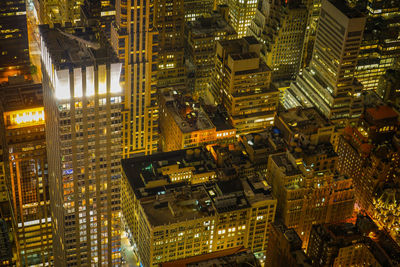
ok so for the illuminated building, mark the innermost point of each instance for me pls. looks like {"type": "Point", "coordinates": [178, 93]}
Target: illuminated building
{"type": "Point", "coordinates": [3, 186]}
{"type": "Point", "coordinates": [201, 36]}
{"type": "Point", "coordinates": [82, 101]}
{"type": "Point", "coordinates": [241, 82]}
{"type": "Point", "coordinates": [185, 124]}
{"type": "Point", "coordinates": [5, 244]}
{"type": "Point", "coordinates": [139, 66]}
{"type": "Point", "coordinates": [368, 153]}
{"type": "Point", "coordinates": [14, 48]}
{"type": "Point", "coordinates": [389, 87]}
{"type": "Point", "coordinates": [304, 126]}
{"type": "Point", "coordinates": [98, 14]}
{"type": "Point", "coordinates": [380, 49]}
{"type": "Point", "coordinates": [314, 9]}
{"type": "Point", "coordinates": [197, 8]}
{"type": "Point", "coordinates": [280, 28]}
{"type": "Point", "coordinates": [308, 136]}
{"type": "Point", "coordinates": [241, 13]}
{"type": "Point", "coordinates": [329, 83]}
{"type": "Point", "coordinates": [173, 215]}
{"type": "Point", "coordinates": [258, 146]}
{"type": "Point", "coordinates": [237, 256]}
{"type": "Point", "coordinates": [284, 248]}
{"type": "Point", "coordinates": [29, 188]}
{"type": "Point", "coordinates": [169, 20]}
{"type": "Point", "coordinates": [346, 244]}
{"type": "Point", "coordinates": [305, 196]}
{"type": "Point", "coordinates": [58, 11]}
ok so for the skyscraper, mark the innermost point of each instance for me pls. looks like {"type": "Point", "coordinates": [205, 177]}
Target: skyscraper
{"type": "Point", "coordinates": [134, 38]}
{"type": "Point", "coordinates": [329, 83]}
{"type": "Point", "coordinates": [27, 175]}
{"type": "Point", "coordinates": [82, 101]}
{"type": "Point", "coordinates": [14, 48]}
{"type": "Point", "coordinates": [200, 38]}
{"type": "Point", "coordinates": [241, 13]}
{"type": "Point", "coordinates": [169, 19]}
{"type": "Point", "coordinates": [280, 28]}
{"type": "Point", "coordinates": [380, 48]}
{"type": "Point", "coordinates": [241, 82]}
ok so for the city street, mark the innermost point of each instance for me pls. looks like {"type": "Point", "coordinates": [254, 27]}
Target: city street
{"type": "Point", "coordinates": [127, 252]}
{"type": "Point", "coordinates": [34, 41]}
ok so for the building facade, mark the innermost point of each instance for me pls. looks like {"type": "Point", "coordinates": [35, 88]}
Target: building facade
{"type": "Point", "coordinates": [14, 47]}
{"type": "Point", "coordinates": [134, 38]}
{"type": "Point", "coordinates": [173, 214]}
{"type": "Point", "coordinates": [82, 101]}
{"type": "Point", "coordinates": [169, 19]}
{"type": "Point", "coordinates": [307, 197]}
{"type": "Point", "coordinates": [280, 28]}
{"type": "Point", "coordinates": [241, 82]}
{"type": "Point", "coordinates": [329, 83]}
{"type": "Point", "coordinates": [284, 248]}
{"type": "Point", "coordinates": [241, 13]}
{"type": "Point", "coordinates": [27, 172]}
{"type": "Point", "coordinates": [201, 36]}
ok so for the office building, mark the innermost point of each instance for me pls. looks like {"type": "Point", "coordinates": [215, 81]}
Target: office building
{"type": "Point", "coordinates": [197, 8]}
{"type": "Point", "coordinates": [284, 248]}
{"type": "Point", "coordinates": [241, 82]}
{"type": "Point", "coordinates": [380, 48]}
{"type": "Point", "coordinates": [232, 257]}
{"type": "Point", "coordinates": [98, 14]}
{"type": "Point", "coordinates": [303, 127]}
{"type": "Point", "coordinates": [169, 20]}
{"type": "Point", "coordinates": [241, 13]}
{"type": "Point", "coordinates": [280, 27]}
{"type": "Point", "coordinates": [329, 83]}
{"type": "Point", "coordinates": [14, 48]}
{"type": "Point", "coordinates": [134, 38]}
{"type": "Point", "coordinates": [5, 244]}
{"type": "Point", "coordinates": [389, 87]}
{"type": "Point", "coordinates": [368, 152]}
{"type": "Point", "coordinates": [347, 244]}
{"type": "Point", "coordinates": [305, 196]}
{"type": "Point", "coordinates": [174, 215]}
{"type": "Point", "coordinates": [201, 36]}
{"type": "Point", "coordinates": [185, 124]}
{"type": "Point", "coordinates": [24, 133]}
{"type": "Point", "coordinates": [82, 103]}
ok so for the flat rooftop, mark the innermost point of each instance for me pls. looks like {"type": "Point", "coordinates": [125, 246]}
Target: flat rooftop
{"type": "Point", "coordinates": [231, 257]}
{"type": "Point", "coordinates": [346, 9]}
{"type": "Point", "coordinates": [208, 25]}
{"type": "Point", "coordinates": [22, 95]}
{"type": "Point", "coordinates": [188, 115]}
{"type": "Point", "coordinates": [71, 47]}
{"type": "Point", "coordinates": [382, 113]}
{"type": "Point", "coordinates": [184, 203]}
{"type": "Point", "coordinates": [303, 119]}
{"type": "Point", "coordinates": [143, 170]}
{"type": "Point", "coordinates": [282, 161]}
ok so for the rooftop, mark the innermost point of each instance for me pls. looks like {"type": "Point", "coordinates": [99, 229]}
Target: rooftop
{"type": "Point", "coordinates": [21, 95]}
{"type": "Point", "coordinates": [208, 25]}
{"type": "Point", "coordinates": [188, 115]}
{"type": "Point", "coordinates": [381, 113]}
{"type": "Point", "coordinates": [303, 119]}
{"type": "Point", "coordinates": [183, 203]}
{"type": "Point", "coordinates": [346, 9]}
{"type": "Point", "coordinates": [71, 47]}
{"type": "Point", "coordinates": [232, 256]}
{"type": "Point", "coordinates": [285, 164]}
{"type": "Point", "coordinates": [141, 171]}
